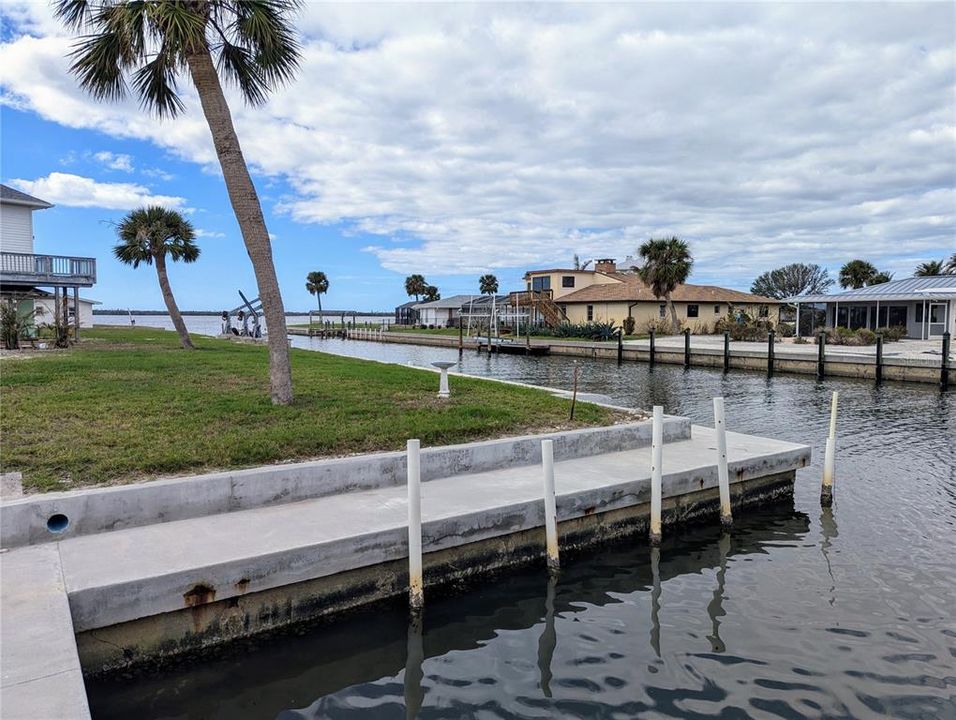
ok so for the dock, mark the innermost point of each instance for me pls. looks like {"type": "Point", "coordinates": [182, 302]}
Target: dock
{"type": "Point", "coordinates": [148, 571]}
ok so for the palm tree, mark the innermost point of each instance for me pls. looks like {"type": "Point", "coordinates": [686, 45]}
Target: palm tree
{"type": "Point", "coordinates": [150, 234]}
{"type": "Point", "coordinates": [950, 268]}
{"type": "Point", "coordinates": [579, 265]}
{"type": "Point", "coordinates": [415, 285]}
{"type": "Point", "coordinates": [667, 264]}
{"type": "Point", "coordinates": [488, 284]}
{"type": "Point", "coordinates": [430, 294]}
{"type": "Point", "coordinates": [317, 283]}
{"type": "Point", "coordinates": [930, 268]}
{"type": "Point", "coordinates": [880, 278]}
{"type": "Point", "coordinates": [856, 274]}
{"type": "Point", "coordinates": [150, 44]}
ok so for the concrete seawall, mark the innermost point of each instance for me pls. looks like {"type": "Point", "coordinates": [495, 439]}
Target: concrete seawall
{"type": "Point", "coordinates": [162, 587]}
{"type": "Point", "coordinates": [788, 358]}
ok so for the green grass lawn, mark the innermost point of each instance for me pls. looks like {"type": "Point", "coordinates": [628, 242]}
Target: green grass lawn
{"type": "Point", "coordinates": [129, 404]}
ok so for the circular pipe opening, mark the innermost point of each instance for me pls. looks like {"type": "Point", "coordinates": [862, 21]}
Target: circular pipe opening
{"type": "Point", "coordinates": [57, 523]}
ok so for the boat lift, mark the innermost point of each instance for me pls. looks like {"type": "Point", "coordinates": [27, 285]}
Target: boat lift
{"type": "Point", "coordinates": [247, 319]}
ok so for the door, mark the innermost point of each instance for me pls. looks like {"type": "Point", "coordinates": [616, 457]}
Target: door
{"type": "Point", "coordinates": [937, 319]}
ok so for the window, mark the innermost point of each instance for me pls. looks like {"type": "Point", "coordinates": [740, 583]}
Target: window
{"type": "Point", "coordinates": [897, 315]}
{"type": "Point", "coordinates": [541, 283]}
{"type": "Point", "coordinates": [919, 312]}
{"type": "Point", "coordinates": [590, 313]}
{"type": "Point", "coordinates": [693, 310]}
{"type": "Point", "coordinates": [663, 310]}
{"type": "Point", "coordinates": [858, 316]}
{"type": "Point", "coordinates": [567, 281]}
{"type": "Point", "coordinates": [716, 309]}
{"type": "Point", "coordinates": [764, 311]}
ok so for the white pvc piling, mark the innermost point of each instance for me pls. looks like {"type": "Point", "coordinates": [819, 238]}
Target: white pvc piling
{"type": "Point", "coordinates": [416, 597]}
{"type": "Point", "coordinates": [657, 475]}
{"type": "Point", "coordinates": [723, 476]}
{"type": "Point", "coordinates": [829, 459]}
{"type": "Point", "coordinates": [550, 506]}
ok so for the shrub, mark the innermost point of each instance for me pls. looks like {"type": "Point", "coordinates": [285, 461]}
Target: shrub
{"type": "Point", "coordinates": [785, 330]}
{"type": "Point", "coordinates": [628, 326]}
{"type": "Point", "coordinates": [800, 341]}
{"type": "Point", "coordinates": [14, 323]}
{"type": "Point", "coordinates": [894, 333]}
{"type": "Point", "coordinates": [591, 330]}
{"type": "Point", "coordinates": [659, 326]}
{"type": "Point", "coordinates": [867, 337]}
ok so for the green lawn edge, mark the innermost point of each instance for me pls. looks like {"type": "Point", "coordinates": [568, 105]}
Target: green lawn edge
{"type": "Point", "coordinates": [128, 404]}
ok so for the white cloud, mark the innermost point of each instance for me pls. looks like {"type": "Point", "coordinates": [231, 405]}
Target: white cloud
{"type": "Point", "coordinates": [77, 191]}
{"type": "Point", "coordinates": [200, 233]}
{"type": "Point", "coordinates": [114, 161]}
{"type": "Point", "coordinates": [477, 136]}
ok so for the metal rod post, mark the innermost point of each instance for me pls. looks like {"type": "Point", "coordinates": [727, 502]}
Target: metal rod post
{"type": "Point", "coordinates": [657, 475]}
{"type": "Point", "coordinates": [829, 460]}
{"type": "Point", "coordinates": [416, 596]}
{"type": "Point", "coordinates": [686, 347]}
{"type": "Point", "coordinates": [652, 346]}
{"type": "Point", "coordinates": [879, 358]}
{"type": "Point", "coordinates": [726, 351]}
{"type": "Point", "coordinates": [620, 346]}
{"type": "Point", "coordinates": [944, 363]}
{"type": "Point", "coordinates": [821, 355]}
{"type": "Point", "coordinates": [723, 476]}
{"type": "Point", "coordinates": [771, 337]}
{"type": "Point", "coordinates": [550, 505]}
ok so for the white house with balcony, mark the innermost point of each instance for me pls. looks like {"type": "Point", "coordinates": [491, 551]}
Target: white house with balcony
{"type": "Point", "coordinates": [27, 276]}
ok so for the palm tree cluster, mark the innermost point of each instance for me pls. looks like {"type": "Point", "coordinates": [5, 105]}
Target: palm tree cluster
{"type": "Point", "coordinates": [417, 287]}
{"type": "Point", "coordinates": [857, 274]}
{"type": "Point", "coordinates": [488, 284]}
{"type": "Point", "coordinates": [667, 264]}
{"type": "Point", "coordinates": [151, 234]}
{"type": "Point", "coordinates": [931, 268]}
{"type": "Point", "coordinates": [147, 46]}
{"type": "Point", "coordinates": [316, 283]}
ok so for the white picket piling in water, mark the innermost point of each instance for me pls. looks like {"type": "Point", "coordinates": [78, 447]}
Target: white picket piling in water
{"type": "Point", "coordinates": [723, 476]}
{"type": "Point", "coordinates": [657, 475]}
{"type": "Point", "coordinates": [550, 506]}
{"type": "Point", "coordinates": [829, 458]}
{"type": "Point", "coordinates": [416, 596]}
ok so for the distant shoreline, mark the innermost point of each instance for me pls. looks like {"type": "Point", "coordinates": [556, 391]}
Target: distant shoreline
{"type": "Point", "coordinates": [121, 311]}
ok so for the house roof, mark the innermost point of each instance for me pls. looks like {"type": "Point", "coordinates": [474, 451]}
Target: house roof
{"type": "Point", "coordinates": [557, 270]}
{"type": "Point", "coordinates": [631, 288]}
{"type": "Point", "coordinates": [452, 302]}
{"type": "Point", "coordinates": [915, 288]}
{"type": "Point", "coordinates": [14, 197]}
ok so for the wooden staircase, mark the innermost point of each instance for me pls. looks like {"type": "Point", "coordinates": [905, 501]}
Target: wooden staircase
{"type": "Point", "coordinates": [540, 301]}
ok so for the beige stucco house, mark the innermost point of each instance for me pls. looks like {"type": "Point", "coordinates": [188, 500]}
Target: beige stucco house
{"type": "Point", "coordinates": [606, 294]}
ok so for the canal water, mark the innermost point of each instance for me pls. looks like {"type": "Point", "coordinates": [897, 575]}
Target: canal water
{"type": "Point", "coordinates": [801, 612]}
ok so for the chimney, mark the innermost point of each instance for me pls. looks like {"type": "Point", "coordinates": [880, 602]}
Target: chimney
{"type": "Point", "coordinates": [605, 265]}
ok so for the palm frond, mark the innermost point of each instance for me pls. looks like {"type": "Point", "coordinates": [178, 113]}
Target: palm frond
{"type": "Point", "coordinates": [97, 63]}
{"type": "Point", "coordinates": [155, 83]}
{"type": "Point", "coordinates": [75, 14]}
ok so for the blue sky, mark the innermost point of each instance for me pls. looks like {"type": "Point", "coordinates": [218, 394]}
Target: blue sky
{"type": "Point", "coordinates": [460, 139]}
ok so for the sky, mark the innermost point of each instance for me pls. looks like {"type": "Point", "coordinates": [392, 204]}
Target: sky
{"type": "Point", "coordinates": [458, 139]}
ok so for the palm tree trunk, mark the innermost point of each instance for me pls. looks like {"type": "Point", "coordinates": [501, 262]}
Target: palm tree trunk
{"type": "Point", "coordinates": [248, 211]}
{"type": "Point", "coordinates": [319, 297]}
{"type": "Point", "coordinates": [171, 305]}
{"type": "Point", "coordinates": [674, 321]}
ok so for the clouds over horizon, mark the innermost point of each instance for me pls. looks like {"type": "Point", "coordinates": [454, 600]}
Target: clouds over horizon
{"type": "Point", "coordinates": [78, 191]}
{"type": "Point", "coordinates": [471, 137]}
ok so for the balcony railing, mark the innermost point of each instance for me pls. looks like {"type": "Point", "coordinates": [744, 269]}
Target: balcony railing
{"type": "Point", "coordinates": [47, 269]}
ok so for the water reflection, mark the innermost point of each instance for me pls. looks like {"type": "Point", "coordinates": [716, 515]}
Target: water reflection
{"type": "Point", "coordinates": [376, 658]}
{"type": "Point", "coordinates": [715, 608]}
{"type": "Point", "coordinates": [414, 657]}
{"type": "Point", "coordinates": [549, 637]}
